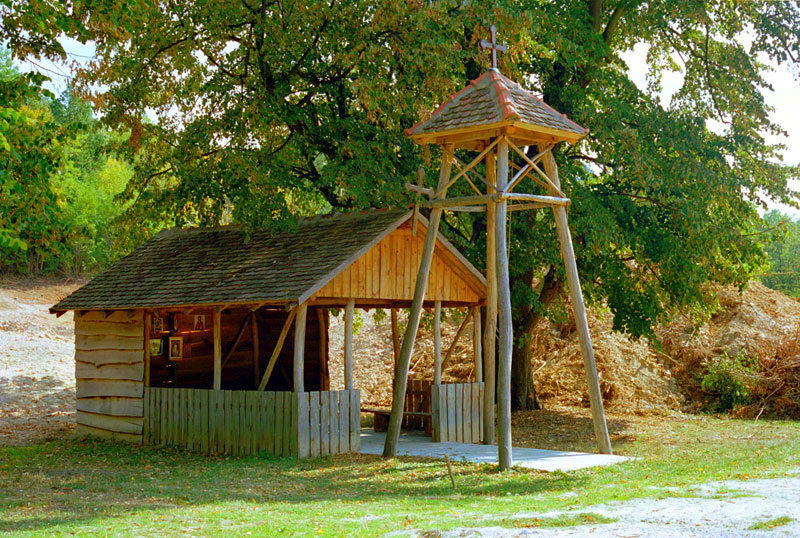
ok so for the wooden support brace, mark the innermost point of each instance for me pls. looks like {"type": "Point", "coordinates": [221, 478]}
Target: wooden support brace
{"type": "Point", "coordinates": [455, 341]}
{"type": "Point", "coordinates": [256, 347]}
{"type": "Point", "coordinates": [277, 351]}
{"type": "Point", "coordinates": [348, 344]}
{"type": "Point", "coordinates": [477, 353]}
{"type": "Point", "coordinates": [217, 348]}
{"type": "Point", "coordinates": [437, 343]}
{"type": "Point", "coordinates": [236, 341]}
{"type": "Point", "coordinates": [298, 370]}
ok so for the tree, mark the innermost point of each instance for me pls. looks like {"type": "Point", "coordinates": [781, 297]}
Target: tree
{"type": "Point", "coordinates": [783, 254]}
{"type": "Point", "coordinates": [263, 109]}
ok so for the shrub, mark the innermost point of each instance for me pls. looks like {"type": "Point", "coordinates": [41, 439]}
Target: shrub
{"type": "Point", "coordinates": [728, 381]}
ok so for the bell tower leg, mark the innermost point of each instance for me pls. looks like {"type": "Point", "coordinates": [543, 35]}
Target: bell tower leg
{"type": "Point", "coordinates": [578, 307]}
{"type": "Point", "coordinates": [407, 349]}
{"type": "Point", "coordinates": [505, 459]}
{"type": "Point", "coordinates": [490, 330]}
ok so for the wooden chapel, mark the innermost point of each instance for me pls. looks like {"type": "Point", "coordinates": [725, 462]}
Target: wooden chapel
{"type": "Point", "coordinates": [496, 117]}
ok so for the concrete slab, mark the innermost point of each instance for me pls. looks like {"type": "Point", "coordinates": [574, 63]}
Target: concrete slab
{"type": "Point", "coordinates": [417, 444]}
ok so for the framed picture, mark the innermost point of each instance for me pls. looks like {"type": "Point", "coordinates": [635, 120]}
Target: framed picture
{"type": "Point", "coordinates": [175, 348]}
{"type": "Point", "coordinates": [157, 323]}
{"type": "Point", "coordinates": [199, 323]}
{"type": "Point", "coordinates": [156, 347]}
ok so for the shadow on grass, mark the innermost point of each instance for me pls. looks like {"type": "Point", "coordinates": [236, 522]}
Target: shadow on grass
{"type": "Point", "coordinates": [77, 480]}
{"type": "Point", "coordinates": [567, 429]}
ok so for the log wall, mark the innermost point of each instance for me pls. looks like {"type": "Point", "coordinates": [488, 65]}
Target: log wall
{"type": "Point", "coordinates": [109, 372]}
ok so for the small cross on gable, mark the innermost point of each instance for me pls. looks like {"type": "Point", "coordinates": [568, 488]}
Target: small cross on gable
{"type": "Point", "coordinates": [493, 46]}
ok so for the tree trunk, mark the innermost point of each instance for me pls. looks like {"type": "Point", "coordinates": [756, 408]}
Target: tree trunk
{"type": "Point", "coordinates": [523, 393]}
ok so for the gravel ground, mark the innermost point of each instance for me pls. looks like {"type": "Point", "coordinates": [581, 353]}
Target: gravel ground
{"type": "Point", "coordinates": [37, 372]}
{"type": "Point", "coordinates": [721, 509]}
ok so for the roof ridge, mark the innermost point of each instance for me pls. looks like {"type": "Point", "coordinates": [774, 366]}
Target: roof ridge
{"type": "Point", "coordinates": [521, 88]}
{"type": "Point", "coordinates": [447, 102]}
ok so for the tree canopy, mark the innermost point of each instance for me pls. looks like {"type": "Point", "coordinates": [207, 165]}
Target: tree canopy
{"type": "Point", "coordinates": [256, 111]}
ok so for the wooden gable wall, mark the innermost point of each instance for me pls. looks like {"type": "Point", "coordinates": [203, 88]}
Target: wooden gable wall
{"type": "Point", "coordinates": [388, 271]}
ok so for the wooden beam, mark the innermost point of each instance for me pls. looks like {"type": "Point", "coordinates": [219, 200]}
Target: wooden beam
{"type": "Point", "coordinates": [348, 344]}
{"type": "Point", "coordinates": [277, 351]}
{"type": "Point", "coordinates": [549, 200]}
{"type": "Point", "coordinates": [442, 189]}
{"type": "Point", "coordinates": [256, 348]}
{"type": "Point", "coordinates": [236, 341]}
{"type": "Point", "coordinates": [476, 343]}
{"type": "Point", "coordinates": [323, 347]}
{"type": "Point", "coordinates": [456, 338]}
{"type": "Point", "coordinates": [527, 169]}
{"type": "Point", "coordinates": [505, 460]}
{"type": "Point", "coordinates": [217, 348]}
{"type": "Point", "coordinates": [146, 349]}
{"type": "Point", "coordinates": [437, 343]}
{"type": "Point", "coordinates": [298, 371]}
{"type": "Point", "coordinates": [578, 307]}
{"type": "Point", "coordinates": [59, 313]}
{"type": "Point", "coordinates": [395, 335]}
{"type": "Point", "coordinates": [490, 331]}
{"type": "Point", "coordinates": [420, 190]}
{"type": "Point", "coordinates": [420, 287]}
{"type": "Point", "coordinates": [555, 189]}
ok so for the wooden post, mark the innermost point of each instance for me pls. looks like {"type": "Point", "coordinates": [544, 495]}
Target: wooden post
{"type": "Point", "coordinates": [256, 350]}
{"type": "Point", "coordinates": [437, 343]}
{"type": "Point", "coordinates": [476, 343]}
{"type": "Point", "coordinates": [147, 318]}
{"type": "Point", "coordinates": [490, 331]}
{"type": "Point", "coordinates": [395, 336]}
{"type": "Point", "coordinates": [578, 307]}
{"type": "Point", "coordinates": [299, 347]}
{"type": "Point", "coordinates": [421, 286]}
{"type": "Point", "coordinates": [217, 348]}
{"type": "Point", "coordinates": [348, 344]}
{"type": "Point", "coordinates": [504, 311]}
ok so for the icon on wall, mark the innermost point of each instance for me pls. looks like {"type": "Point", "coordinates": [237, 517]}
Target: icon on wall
{"type": "Point", "coordinates": [156, 347]}
{"type": "Point", "coordinates": [200, 323]}
{"type": "Point", "coordinates": [175, 348]}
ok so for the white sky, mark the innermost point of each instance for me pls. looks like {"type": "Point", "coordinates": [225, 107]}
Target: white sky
{"type": "Point", "coordinates": [785, 97]}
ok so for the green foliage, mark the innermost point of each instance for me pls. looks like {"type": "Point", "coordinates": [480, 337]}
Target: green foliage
{"type": "Point", "coordinates": [728, 381]}
{"type": "Point", "coordinates": [783, 254]}
{"type": "Point", "coordinates": [58, 181]}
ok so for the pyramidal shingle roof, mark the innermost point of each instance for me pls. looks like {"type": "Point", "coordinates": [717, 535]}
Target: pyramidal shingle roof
{"type": "Point", "coordinates": [205, 266]}
{"type": "Point", "coordinates": [494, 98]}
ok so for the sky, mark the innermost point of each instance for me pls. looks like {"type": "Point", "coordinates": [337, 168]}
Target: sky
{"type": "Point", "coordinates": [784, 99]}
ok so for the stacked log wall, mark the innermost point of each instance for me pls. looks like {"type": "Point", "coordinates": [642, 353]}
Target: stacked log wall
{"type": "Point", "coordinates": [109, 373]}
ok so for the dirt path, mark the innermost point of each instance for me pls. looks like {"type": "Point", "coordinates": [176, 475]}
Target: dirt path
{"type": "Point", "coordinates": [37, 385]}
{"type": "Point", "coordinates": [717, 509]}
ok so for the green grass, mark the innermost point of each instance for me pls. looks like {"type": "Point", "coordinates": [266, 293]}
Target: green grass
{"type": "Point", "coordinates": [770, 523]}
{"type": "Point", "coordinates": [564, 520]}
{"type": "Point", "coordinates": [97, 488]}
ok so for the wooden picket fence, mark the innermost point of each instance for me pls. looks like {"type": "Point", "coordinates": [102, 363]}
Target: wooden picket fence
{"type": "Point", "coordinates": [298, 424]}
{"type": "Point", "coordinates": [457, 415]}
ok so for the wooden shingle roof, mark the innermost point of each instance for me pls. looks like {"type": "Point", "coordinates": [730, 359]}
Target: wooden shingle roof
{"type": "Point", "coordinates": [207, 266]}
{"type": "Point", "coordinates": [491, 99]}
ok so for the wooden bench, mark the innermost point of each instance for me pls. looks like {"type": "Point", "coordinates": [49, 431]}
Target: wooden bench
{"type": "Point", "coordinates": [380, 421]}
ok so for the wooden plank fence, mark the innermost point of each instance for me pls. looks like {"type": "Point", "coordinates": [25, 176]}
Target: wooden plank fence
{"type": "Point", "coordinates": [457, 412]}
{"type": "Point", "coordinates": [243, 423]}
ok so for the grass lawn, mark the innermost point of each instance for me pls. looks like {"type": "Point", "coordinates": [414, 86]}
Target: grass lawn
{"type": "Point", "coordinates": [87, 487]}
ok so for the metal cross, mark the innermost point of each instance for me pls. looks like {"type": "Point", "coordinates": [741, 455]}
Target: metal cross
{"type": "Point", "coordinates": [493, 46]}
